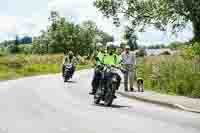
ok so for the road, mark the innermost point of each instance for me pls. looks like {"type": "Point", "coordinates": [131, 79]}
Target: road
{"type": "Point", "coordinates": [44, 104]}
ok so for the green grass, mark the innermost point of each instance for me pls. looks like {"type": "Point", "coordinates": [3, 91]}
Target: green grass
{"type": "Point", "coordinates": [13, 67]}
{"type": "Point", "coordinates": [171, 75]}
{"type": "Point", "coordinates": [35, 69]}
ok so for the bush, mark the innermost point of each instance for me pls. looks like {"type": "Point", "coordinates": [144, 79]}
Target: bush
{"type": "Point", "coordinates": [196, 90]}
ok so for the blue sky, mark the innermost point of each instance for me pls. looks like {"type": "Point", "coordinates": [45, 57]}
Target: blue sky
{"type": "Point", "coordinates": [31, 16]}
{"type": "Point", "coordinates": [22, 17]}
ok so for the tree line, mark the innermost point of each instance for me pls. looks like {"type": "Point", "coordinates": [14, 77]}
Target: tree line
{"type": "Point", "coordinates": [62, 36]}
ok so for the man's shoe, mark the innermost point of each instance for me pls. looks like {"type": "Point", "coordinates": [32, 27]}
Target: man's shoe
{"type": "Point", "coordinates": [115, 97]}
{"type": "Point", "coordinates": [132, 90]}
{"type": "Point", "coordinates": [126, 90]}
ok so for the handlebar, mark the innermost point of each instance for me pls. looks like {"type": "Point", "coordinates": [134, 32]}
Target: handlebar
{"type": "Point", "coordinates": [102, 66]}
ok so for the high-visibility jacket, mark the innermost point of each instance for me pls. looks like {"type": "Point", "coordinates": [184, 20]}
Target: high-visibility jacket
{"type": "Point", "coordinates": [110, 59]}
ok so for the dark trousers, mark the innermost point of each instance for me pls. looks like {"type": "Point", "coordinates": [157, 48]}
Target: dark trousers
{"type": "Point", "coordinates": [95, 81]}
{"type": "Point", "coordinates": [108, 76]}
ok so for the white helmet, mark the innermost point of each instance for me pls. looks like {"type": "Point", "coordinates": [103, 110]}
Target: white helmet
{"type": "Point", "coordinates": [127, 47]}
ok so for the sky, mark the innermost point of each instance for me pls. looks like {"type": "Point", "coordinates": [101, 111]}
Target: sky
{"type": "Point", "coordinates": [28, 17]}
{"type": "Point", "coordinates": [22, 17]}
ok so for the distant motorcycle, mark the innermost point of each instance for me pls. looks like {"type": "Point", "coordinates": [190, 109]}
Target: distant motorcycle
{"type": "Point", "coordinates": [106, 88]}
{"type": "Point", "coordinates": [69, 71]}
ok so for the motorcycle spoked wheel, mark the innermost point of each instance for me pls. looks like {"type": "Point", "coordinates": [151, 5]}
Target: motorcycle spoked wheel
{"type": "Point", "coordinates": [109, 96]}
{"type": "Point", "coordinates": [66, 76]}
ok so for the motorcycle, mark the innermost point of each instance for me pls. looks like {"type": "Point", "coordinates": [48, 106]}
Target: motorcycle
{"type": "Point", "coordinates": [69, 71]}
{"type": "Point", "coordinates": [107, 86]}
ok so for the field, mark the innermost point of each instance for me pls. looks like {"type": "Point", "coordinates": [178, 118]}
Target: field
{"type": "Point", "coordinates": [15, 66]}
{"type": "Point", "coordinates": [171, 74]}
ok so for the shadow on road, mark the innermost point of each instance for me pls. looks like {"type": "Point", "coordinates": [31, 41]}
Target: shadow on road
{"type": "Point", "coordinates": [71, 82]}
{"type": "Point", "coordinates": [112, 106]}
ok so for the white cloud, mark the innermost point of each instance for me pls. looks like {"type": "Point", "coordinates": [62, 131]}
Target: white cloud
{"type": "Point", "coordinates": [79, 11]}
{"type": "Point", "coordinates": [23, 17]}
{"type": "Point", "coordinates": [8, 23]}
{"type": "Point", "coordinates": [12, 25]}
{"type": "Point", "coordinates": [153, 36]}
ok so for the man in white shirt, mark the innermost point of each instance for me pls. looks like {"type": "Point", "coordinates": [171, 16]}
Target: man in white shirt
{"type": "Point", "coordinates": [129, 62]}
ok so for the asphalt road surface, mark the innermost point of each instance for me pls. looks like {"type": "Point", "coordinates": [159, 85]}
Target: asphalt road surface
{"type": "Point", "coordinates": [44, 104]}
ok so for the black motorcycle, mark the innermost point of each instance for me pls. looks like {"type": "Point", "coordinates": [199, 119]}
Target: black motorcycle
{"type": "Point", "coordinates": [107, 86]}
{"type": "Point", "coordinates": [68, 72]}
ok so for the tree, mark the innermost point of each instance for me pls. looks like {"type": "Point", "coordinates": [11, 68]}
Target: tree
{"type": "Point", "coordinates": [159, 13]}
{"type": "Point", "coordinates": [105, 37]}
{"type": "Point", "coordinates": [123, 44]}
{"type": "Point", "coordinates": [62, 36]}
{"type": "Point", "coordinates": [89, 35]}
{"type": "Point", "coordinates": [54, 16]}
{"type": "Point", "coordinates": [14, 48]}
{"type": "Point", "coordinates": [131, 37]}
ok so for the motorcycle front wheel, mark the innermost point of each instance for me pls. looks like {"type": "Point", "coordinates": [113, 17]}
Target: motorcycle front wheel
{"type": "Point", "coordinates": [66, 76]}
{"type": "Point", "coordinates": [109, 96]}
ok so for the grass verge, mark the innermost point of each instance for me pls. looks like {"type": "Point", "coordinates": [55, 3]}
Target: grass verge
{"type": "Point", "coordinates": [7, 73]}
{"type": "Point", "coordinates": [13, 67]}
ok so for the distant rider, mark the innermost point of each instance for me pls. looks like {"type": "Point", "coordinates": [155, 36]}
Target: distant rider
{"type": "Point", "coordinates": [69, 58]}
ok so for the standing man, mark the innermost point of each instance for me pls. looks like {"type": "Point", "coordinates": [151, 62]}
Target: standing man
{"type": "Point", "coordinates": [129, 62]}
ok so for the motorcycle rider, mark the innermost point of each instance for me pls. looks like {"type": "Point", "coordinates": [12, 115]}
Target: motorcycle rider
{"type": "Point", "coordinates": [69, 58]}
{"type": "Point", "coordinates": [97, 74]}
{"type": "Point", "coordinates": [111, 59]}
{"type": "Point", "coordinates": [100, 56]}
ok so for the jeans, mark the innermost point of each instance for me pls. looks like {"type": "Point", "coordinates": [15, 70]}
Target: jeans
{"type": "Point", "coordinates": [96, 78]}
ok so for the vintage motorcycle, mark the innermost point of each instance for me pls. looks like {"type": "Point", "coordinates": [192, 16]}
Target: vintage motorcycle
{"type": "Point", "coordinates": [69, 71]}
{"type": "Point", "coordinates": [107, 85]}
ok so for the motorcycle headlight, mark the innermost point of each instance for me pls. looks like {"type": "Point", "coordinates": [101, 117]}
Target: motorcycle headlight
{"type": "Point", "coordinates": [69, 66]}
